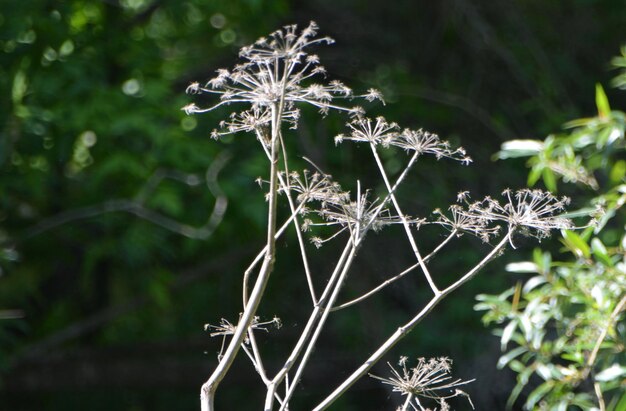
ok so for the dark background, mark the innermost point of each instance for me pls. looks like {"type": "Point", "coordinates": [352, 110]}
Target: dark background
{"type": "Point", "coordinates": [111, 304]}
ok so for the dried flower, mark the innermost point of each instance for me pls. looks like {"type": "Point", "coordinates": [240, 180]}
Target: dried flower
{"type": "Point", "coordinates": [423, 142]}
{"type": "Point", "coordinates": [271, 77]}
{"type": "Point", "coordinates": [533, 212]}
{"type": "Point", "coordinates": [358, 216]}
{"type": "Point", "coordinates": [461, 222]}
{"type": "Point", "coordinates": [428, 379]}
{"type": "Point", "coordinates": [227, 328]}
{"type": "Point", "coordinates": [369, 131]}
{"type": "Point", "coordinates": [315, 186]}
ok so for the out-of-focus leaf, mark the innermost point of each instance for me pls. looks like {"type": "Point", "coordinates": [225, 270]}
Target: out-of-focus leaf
{"type": "Point", "coordinates": [519, 148]}
{"type": "Point", "coordinates": [575, 244]}
{"type": "Point", "coordinates": [538, 393]}
{"type": "Point", "coordinates": [506, 358]}
{"type": "Point", "coordinates": [602, 102]}
{"type": "Point", "coordinates": [534, 175]}
{"type": "Point", "coordinates": [507, 333]}
{"type": "Point", "coordinates": [549, 179]}
{"type": "Point", "coordinates": [611, 373]}
{"type": "Point", "coordinates": [600, 252]}
{"type": "Point", "coordinates": [522, 267]}
{"type": "Point", "coordinates": [532, 283]}
{"type": "Point", "coordinates": [618, 172]}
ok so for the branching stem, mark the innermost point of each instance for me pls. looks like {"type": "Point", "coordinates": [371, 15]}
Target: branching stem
{"type": "Point", "coordinates": [406, 328]}
{"type": "Point", "coordinates": [405, 223]}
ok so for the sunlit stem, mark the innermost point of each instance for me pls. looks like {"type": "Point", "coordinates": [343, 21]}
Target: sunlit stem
{"type": "Point", "coordinates": [396, 277]}
{"type": "Point", "coordinates": [209, 388]}
{"type": "Point", "coordinates": [308, 329]}
{"type": "Point", "coordinates": [259, 256]}
{"type": "Point", "coordinates": [406, 328]}
{"type": "Point", "coordinates": [405, 223]}
{"type": "Point", "coordinates": [407, 402]}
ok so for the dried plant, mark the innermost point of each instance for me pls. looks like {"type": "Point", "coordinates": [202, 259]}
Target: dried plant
{"type": "Point", "coordinates": [278, 74]}
{"type": "Point", "coordinates": [427, 380]}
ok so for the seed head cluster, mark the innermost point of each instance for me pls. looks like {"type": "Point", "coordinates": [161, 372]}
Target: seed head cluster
{"type": "Point", "coordinates": [271, 79]}
{"type": "Point", "coordinates": [429, 379]}
{"type": "Point", "coordinates": [534, 213]}
{"type": "Point", "coordinates": [382, 132]}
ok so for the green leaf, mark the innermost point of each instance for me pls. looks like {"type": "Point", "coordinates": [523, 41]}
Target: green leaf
{"type": "Point", "coordinates": [600, 252]}
{"type": "Point", "coordinates": [611, 373]}
{"type": "Point", "coordinates": [549, 180]}
{"type": "Point", "coordinates": [618, 172]}
{"type": "Point", "coordinates": [580, 122]}
{"type": "Point", "coordinates": [538, 393]}
{"type": "Point", "coordinates": [534, 175]}
{"type": "Point", "coordinates": [522, 267]}
{"type": "Point", "coordinates": [621, 405]}
{"type": "Point", "coordinates": [519, 148]}
{"type": "Point", "coordinates": [19, 87]}
{"type": "Point", "coordinates": [507, 333]}
{"type": "Point", "coordinates": [533, 283]}
{"type": "Point", "coordinates": [576, 244]}
{"type": "Point", "coordinates": [506, 358]}
{"type": "Point", "coordinates": [602, 102]}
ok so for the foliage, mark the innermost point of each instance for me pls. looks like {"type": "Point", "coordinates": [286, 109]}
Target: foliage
{"type": "Point", "coordinates": [105, 286]}
{"type": "Point", "coordinates": [563, 328]}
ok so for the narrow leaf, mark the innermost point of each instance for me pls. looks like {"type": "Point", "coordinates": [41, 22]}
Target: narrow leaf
{"type": "Point", "coordinates": [602, 102]}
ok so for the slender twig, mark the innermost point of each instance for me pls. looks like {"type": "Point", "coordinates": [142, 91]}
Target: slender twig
{"type": "Point", "coordinates": [407, 402]}
{"type": "Point", "coordinates": [259, 256]}
{"type": "Point", "coordinates": [326, 306]}
{"type": "Point", "coordinates": [296, 223]}
{"type": "Point", "coordinates": [616, 311]}
{"type": "Point", "coordinates": [598, 391]}
{"type": "Point", "coordinates": [405, 223]}
{"type": "Point", "coordinates": [396, 277]}
{"type": "Point", "coordinates": [324, 315]}
{"type": "Point", "coordinates": [406, 328]}
{"type": "Point", "coordinates": [136, 206]}
{"type": "Point", "coordinates": [312, 321]}
{"type": "Point", "coordinates": [591, 361]}
{"type": "Point", "coordinates": [209, 388]}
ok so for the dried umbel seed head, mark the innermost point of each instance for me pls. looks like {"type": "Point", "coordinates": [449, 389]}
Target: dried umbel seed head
{"type": "Point", "coordinates": [271, 80]}
{"type": "Point", "coordinates": [429, 379]}
{"type": "Point", "coordinates": [423, 142]}
{"type": "Point", "coordinates": [461, 222]}
{"type": "Point", "coordinates": [532, 212]}
{"type": "Point", "coordinates": [226, 328]}
{"type": "Point", "coordinates": [369, 131]}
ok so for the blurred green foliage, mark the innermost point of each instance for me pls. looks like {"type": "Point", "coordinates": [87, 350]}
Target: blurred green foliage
{"type": "Point", "coordinates": [566, 322]}
{"type": "Point", "coordinates": [95, 300]}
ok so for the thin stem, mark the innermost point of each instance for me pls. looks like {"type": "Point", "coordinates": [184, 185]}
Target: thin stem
{"type": "Point", "coordinates": [304, 336]}
{"type": "Point", "coordinates": [255, 363]}
{"type": "Point", "coordinates": [259, 256]}
{"type": "Point", "coordinates": [405, 223]}
{"type": "Point", "coordinates": [407, 402]}
{"type": "Point", "coordinates": [320, 325]}
{"type": "Point", "coordinates": [396, 277]}
{"type": "Point", "coordinates": [594, 354]}
{"type": "Point", "coordinates": [257, 357]}
{"type": "Point", "coordinates": [598, 391]}
{"type": "Point", "coordinates": [406, 328]}
{"type": "Point", "coordinates": [209, 388]}
{"type": "Point", "coordinates": [596, 349]}
{"type": "Point", "coordinates": [285, 185]}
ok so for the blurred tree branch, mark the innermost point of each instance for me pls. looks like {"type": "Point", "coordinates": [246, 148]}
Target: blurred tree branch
{"type": "Point", "coordinates": [137, 207]}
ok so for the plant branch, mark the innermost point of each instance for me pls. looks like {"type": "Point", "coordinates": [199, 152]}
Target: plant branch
{"type": "Point", "coordinates": [405, 223]}
{"type": "Point", "coordinates": [406, 328]}
{"type": "Point", "coordinates": [396, 277]}
{"type": "Point", "coordinates": [209, 388]}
